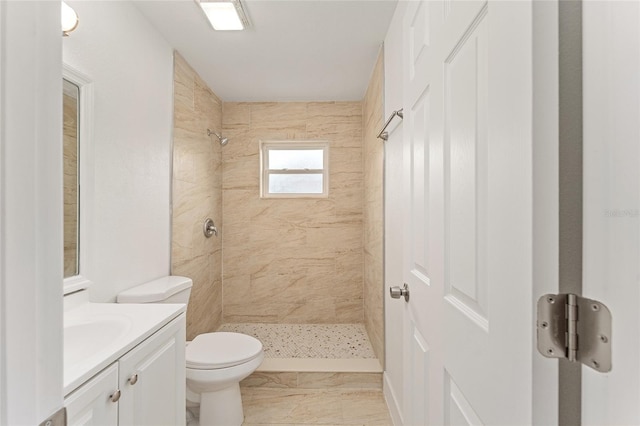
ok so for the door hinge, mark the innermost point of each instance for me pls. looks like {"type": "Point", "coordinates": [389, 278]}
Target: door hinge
{"type": "Point", "coordinates": [59, 418]}
{"type": "Point", "coordinates": [575, 328]}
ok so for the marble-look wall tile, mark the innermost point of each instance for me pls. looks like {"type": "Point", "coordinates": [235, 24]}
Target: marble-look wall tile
{"type": "Point", "coordinates": [197, 194]}
{"type": "Point", "coordinates": [373, 208]}
{"type": "Point", "coordinates": [293, 260]}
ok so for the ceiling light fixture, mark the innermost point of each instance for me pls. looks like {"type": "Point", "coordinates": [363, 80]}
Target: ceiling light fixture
{"type": "Point", "coordinates": [68, 19]}
{"type": "Point", "coordinates": [225, 15]}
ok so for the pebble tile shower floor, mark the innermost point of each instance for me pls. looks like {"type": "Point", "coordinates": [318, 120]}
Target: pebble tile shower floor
{"type": "Point", "coordinates": [339, 341]}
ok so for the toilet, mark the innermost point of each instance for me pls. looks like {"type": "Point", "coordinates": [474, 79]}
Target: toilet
{"type": "Point", "coordinates": [215, 362]}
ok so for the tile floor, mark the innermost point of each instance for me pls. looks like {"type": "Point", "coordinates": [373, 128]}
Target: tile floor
{"type": "Point", "coordinates": [291, 397]}
{"type": "Point", "coordinates": [288, 407]}
{"type": "Point", "coordinates": [336, 341]}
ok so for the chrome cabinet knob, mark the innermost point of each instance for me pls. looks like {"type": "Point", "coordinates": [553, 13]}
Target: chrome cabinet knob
{"type": "Point", "coordinates": [116, 396]}
{"type": "Point", "coordinates": [397, 292]}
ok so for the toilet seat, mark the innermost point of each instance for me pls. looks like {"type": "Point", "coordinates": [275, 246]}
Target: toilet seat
{"type": "Point", "coordinates": [211, 351]}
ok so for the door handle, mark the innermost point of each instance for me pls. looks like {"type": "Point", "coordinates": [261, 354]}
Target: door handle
{"type": "Point", "coordinates": [397, 292]}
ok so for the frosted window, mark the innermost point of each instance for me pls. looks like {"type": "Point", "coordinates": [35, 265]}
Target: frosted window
{"type": "Point", "coordinates": [292, 169]}
{"type": "Point", "coordinates": [280, 159]}
{"type": "Point", "coordinates": [295, 184]}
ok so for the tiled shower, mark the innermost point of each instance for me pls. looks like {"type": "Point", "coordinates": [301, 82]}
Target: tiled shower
{"type": "Point", "coordinates": [285, 270]}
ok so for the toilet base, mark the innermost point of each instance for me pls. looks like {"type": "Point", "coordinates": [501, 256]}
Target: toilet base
{"type": "Point", "coordinates": [222, 407]}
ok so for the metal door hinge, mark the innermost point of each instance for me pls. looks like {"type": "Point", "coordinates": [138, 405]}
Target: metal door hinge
{"type": "Point", "coordinates": [575, 328]}
{"type": "Point", "coordinates": [59, 418]}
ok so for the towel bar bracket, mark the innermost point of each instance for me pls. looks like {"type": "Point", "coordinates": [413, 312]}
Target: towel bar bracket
{"type": "Point", "coordinates": [384, 135]}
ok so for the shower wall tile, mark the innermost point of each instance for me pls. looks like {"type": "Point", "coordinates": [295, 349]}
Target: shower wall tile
{"type": "Point", "coordinates": [342, 159]}
{"type": "Point", "coordinates": [349, 267]}
{"type": "Point", "coordinates": [237, 115]}
{"type": "Point", "coordinates": [274, 119]}
{"type": "Point", "coordinates": [243, 172]}
{"type": "Point", "coordinates": [183, 159]}
{"type": "Point", "coordinates": [197, 194]}
{"type": "Point", "coordinates": [348, 310]}
{"type": "Point", "coordinates": [185, 125]}
{"type": "Point", "coordinates": [343, 135]}
{"type": "Point", "coordinates": [199, 270]}
{"type": "Point", "coordinates": [335, 112]}
{"type": "Point", "coordinates": [287, 260]}
{"type": "Point", "coordinates": [373, 208]}
{"type": "Point", "coordinates": [183, 82]}
{"type": "Point", "coordinates": [232, 200]}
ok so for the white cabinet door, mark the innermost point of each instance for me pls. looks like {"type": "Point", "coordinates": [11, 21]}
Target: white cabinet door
{"type": "Point", "coordinates": [91, 404]}
{"type": "Point", "coordinates": [152, 379]}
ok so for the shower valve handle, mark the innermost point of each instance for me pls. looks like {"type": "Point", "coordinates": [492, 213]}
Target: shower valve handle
{"type": "Point", "coordinates": [210, 228]}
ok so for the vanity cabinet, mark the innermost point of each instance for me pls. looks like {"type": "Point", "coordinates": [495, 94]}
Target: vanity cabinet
{"type": "Point", "coordinates": [150, 379]}
{"type": "Point", "coordinates": [91, 403]}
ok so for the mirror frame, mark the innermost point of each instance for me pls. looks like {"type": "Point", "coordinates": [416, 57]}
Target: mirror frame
{"type": "Point", "coordinates": [85, 176]}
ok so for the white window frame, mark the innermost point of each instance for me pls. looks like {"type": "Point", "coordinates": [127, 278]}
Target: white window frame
{"type": "Point", "coordinates": [265, 173]}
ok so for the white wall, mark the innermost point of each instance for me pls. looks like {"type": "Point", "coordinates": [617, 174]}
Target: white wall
{"type": "Point", "coordinates": [30, 212]}
{"type": "Point", "coordinates": [131, 67]}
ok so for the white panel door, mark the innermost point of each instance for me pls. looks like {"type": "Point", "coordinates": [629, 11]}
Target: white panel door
{"type": "Point", "coordinates": [394, 311]}
{"type": "Point", "coordinates": [611, 254]}
{"type": "Point", "coordinates": [468, 212]}
{"type": "Point", "coordinates": [422, 343]}
{"type": "Point", "coordinates": [30, 212]}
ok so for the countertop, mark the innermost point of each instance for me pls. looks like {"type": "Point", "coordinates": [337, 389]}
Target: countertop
{"type": "Point", "coordinates": [86, 357]}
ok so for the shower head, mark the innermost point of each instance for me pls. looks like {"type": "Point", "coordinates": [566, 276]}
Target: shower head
{"type": "Point", "coordinates": [223, 141]}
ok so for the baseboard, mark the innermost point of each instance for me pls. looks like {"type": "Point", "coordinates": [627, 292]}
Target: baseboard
{"type": "Point", "coordinates": [392, 402]}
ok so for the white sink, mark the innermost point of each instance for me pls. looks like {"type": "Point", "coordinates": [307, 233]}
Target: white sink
{"type": "Point", "coordinates": [97, 334]}
{"type": "Point", "coordinates": [86, 337]}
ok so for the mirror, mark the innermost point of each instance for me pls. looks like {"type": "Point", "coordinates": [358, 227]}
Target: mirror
{"type": "Point", "coordinates": [77, 103]}
{"type": "Point", "coordinates": [71, 146]}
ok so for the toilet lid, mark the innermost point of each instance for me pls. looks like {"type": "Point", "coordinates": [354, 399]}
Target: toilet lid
{"type": "Point", "coordinates": [221, 349]}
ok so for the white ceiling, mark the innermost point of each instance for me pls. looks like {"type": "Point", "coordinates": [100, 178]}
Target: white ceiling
{"type": "Point", "coordinates": [295, 50]}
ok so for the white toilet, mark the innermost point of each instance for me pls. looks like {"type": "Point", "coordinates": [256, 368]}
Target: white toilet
{"type": "Point", "coordinates": [216, 362]}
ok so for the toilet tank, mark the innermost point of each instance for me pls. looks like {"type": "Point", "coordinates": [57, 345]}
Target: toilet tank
{"type": "Point", "coordinates": [171, 289]}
